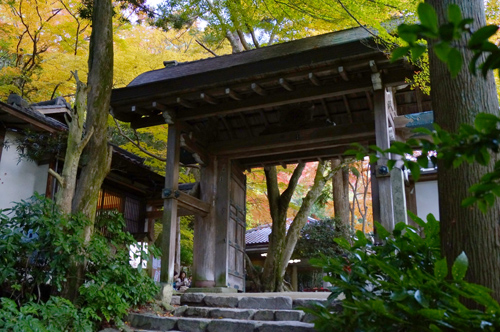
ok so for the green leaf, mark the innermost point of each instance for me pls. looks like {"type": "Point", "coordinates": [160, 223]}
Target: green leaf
{"type": "Point", "coordinates": [434, 314]}
{"type": "Point", "coordinates": [428, 17]}
{"type": "Point", "coordinates": [455, 62]}
{"type": "Point", "coordinates": [446, 32]}
{"type": "Point", "coordinates": [486, 122]}
{"type": "Point", "coordinates": [399, 295]}
{"type": "Point", "coordinates": [417, 50]}
{"type": "Point", "coordinates": [442, 50]}
{"type": "Point", "coordinates": [399, 52]}
{"type": "Point", "coordinates": [421, 299]}
{"type": "Point", "coordinates": [433, 327]}
{"type": "Point", "coordinates": [454, 14]}
{"type": "Point", "coordinates": [414, 169]}
{"type": "Point", "coordinates": [343, 243]}
{"type": "Point", "coordinates": [460, 267]}
{"type": "Point", "coordinates": [469, 201]}
{"type": "Point", "coordinates": [381, 231]}
{"type": "Point", "coordinates": [441, 269]}
{"type": "Point", "coordinates": [482, 35]}
{"type": "Point", "coordinates": [391, 163]}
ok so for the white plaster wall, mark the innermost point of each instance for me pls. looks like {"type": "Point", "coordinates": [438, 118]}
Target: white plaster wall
{"type": "Point", "coordinates": [427, 199]}
{"type": "Point", "coordinates": [19, 180]}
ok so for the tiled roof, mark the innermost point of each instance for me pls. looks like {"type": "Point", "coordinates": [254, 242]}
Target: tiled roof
{"type": "Point", "coordinates": [260, 234]}
{"type": "Point", "coordinates": [252, 56]}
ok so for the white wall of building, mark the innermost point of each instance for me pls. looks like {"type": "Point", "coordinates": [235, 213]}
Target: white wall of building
{"type": "Point", "coordinates": [19, 179]}
{"type": "Point", "coordinates": [427, 199]}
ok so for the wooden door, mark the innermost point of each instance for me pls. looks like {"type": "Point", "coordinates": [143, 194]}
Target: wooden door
{"type": "Point", "coordinates": [236, 231]}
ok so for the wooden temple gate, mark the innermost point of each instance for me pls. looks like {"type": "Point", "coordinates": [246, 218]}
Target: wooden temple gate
{"type": "Point", "coordinates": [305, 100]}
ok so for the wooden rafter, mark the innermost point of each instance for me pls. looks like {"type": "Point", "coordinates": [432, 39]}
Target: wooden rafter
{"type": "Point", "coordinates": [233, 94]}
{"type": "Point", "coordinates": [258, 89]}
{"type": "Point", "coordinates": [347, 107]}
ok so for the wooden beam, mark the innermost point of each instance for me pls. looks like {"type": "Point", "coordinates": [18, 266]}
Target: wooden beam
{"type": "Point", "coordinates": [293, 157]}
{"type": "Point", "coordinates": [33, 121]}
{"type": "Point", "coordinates": [208, 99]}
{"type": "Point", "coordinates": [347, 107]}
{"type": "Point", "coordinates": [369, 99]}
{"type": "Point", "coordinates": [168, 114]}
{"type": "Point", "coordinates": [263, 115]}
{"type": "Point", "coordinates": [314, 79]}
{"type": "Point", "coordinates": [418, 97]}
{"type": "Point", "coordinates": [325, 109]}
{"type": "Point", "coordinates": [139, 110]}
{"type": "Point", "coordinates": [258, 89]}
{"type": "Point", "coordinates": [228, 127]}
{"type": "Point", "coordinates": [277, 99]}
{"type": "Point", "coordinates": [193, 204]}
{"type": "Point", "coordinates": [291, 140]}
{"type": "Point", "coordinates": [242, 117]}
{"type": "Point", "coordinates": [343, 73]}
{"type": "Point", "coordinates": [191, 146]}
{"type": "Point", "coordinates": [233, 94]}
{"type": "Point", "coordinates": [285, 84]}
{"type": "Point", "coordinates": [185, 103]}
{"type": "Point", "coordinates": [373, 66]}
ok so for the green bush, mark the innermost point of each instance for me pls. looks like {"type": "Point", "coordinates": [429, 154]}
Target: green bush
{"type": "Point", "coordinates": [57, 314]}
{"type": "Point", "coordinates": [402, 284]}
{"type": "Point", "coordinates": [37, 245]}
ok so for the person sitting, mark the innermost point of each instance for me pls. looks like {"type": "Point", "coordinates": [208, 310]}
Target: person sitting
{"type": "Point", "coordinates": [182, 283]}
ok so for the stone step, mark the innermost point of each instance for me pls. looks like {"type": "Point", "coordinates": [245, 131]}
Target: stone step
{"type": "Point", "coordinates": [246, 302]}
{"type": "Point", "coordinates": [241, 314]}
{"type": "Point", "coordinates": [191, 324]}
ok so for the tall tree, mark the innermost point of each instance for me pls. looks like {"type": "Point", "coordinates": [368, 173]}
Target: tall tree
{"type": "Point", "coordinates": [340, 192]}
{"type": "Point", "coordinates": [283, 239]}
{"type": "Point", "coordinates": [457, 101]}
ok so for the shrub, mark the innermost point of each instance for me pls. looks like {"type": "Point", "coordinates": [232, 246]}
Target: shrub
{"type": "Point", "coordinates": [57, 314]}
{"type": "Point", "coordinates": [37, 245]}
{"type": "Point", "coordinates": [402, 285]}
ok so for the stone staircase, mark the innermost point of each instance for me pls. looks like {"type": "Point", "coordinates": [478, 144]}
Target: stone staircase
{"type": "Point", "coordinates": [211, 313]}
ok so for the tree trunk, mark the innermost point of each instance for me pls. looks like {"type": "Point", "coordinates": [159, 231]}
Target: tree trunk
{"type": "Point", "coordinates": [278, 205]}
{"type": "Point", "coordinates": [75, 146]}
{"type": "Point", "coordinates": [96, 156]}
{"type": "Point", "coordinates": [457, 101]}
{"type": "Point", "coordinates": [340, 191]}
{"type": "Point", "coordinates": [281, 242]}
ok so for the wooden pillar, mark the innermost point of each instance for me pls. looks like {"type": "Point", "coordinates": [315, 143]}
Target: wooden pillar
{"type": "Point", "coordinates": [221, 221]}
{"type": "Point", "coordinates": [177, 264]}
{"type": "Point", "coordinates": [381, 100]}
{"type": "Point", "coordinates": [204, 229]}
{"type": "Point", "coordinates": [170, 205]}
{"type": "Point", "coordinates": [2, 141]}
{"type": "Point", "coordinates": [295, 283]}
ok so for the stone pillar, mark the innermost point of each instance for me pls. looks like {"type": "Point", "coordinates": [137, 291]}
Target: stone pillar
{"type": "Point", "coordinates": [398, 195]}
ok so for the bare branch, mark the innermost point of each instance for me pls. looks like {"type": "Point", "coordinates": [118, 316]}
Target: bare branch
{"type": "Point", "coordinates": [137, 144]}
{"type": "Point", "coordinates": [85, 139]}
{"type": "Point", "coordinates": [58, 177]}
{"type": "Point", "coordinates": [206, 48]}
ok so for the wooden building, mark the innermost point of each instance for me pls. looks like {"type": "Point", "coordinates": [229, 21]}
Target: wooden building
{"type": "Point", "coordinates": [131, 187]}
{"type": "Point", "coordinates": [304, 100]}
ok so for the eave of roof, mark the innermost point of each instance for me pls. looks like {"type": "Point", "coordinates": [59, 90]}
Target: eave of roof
{"type": "Point", "coordinates": [234, 67]}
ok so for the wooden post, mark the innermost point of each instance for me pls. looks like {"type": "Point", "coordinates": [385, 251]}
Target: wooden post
{"type": "Point", "coordinates": [204, 229]}
{"type": "Point", "coordinates": [177, 265]}
{"type": "Point", "coordinates": [295, 283]}
{"type": "Point", "coordinates": [381, 100]}
{"type": "Point", "coordinates": [221, 221]}
{"type": "Point", "coordinates": [170, 205]}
